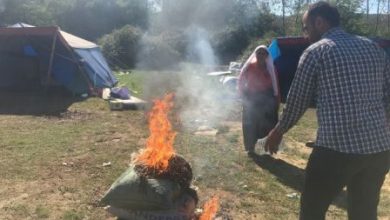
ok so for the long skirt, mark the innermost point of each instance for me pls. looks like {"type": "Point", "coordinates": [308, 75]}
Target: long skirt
{"type": "Point", "coordinates": [259, 116]}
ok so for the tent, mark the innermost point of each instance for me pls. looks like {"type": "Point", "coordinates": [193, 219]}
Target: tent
{"type": "Point", "coordinates": [41, 57]}
{"type": "Point", "coordinates": [286, 52]}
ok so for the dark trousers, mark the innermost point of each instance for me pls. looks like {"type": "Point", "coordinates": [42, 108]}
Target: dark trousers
{"type": "Point", "coordinates": [259, 116]}
{"type": "Point", "coordinates": [328, 171]}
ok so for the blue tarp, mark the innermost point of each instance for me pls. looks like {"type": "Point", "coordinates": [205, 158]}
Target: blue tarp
{"type": "Point", "coordinates": [96, 67]}
{"type": "Point", "coordinates": [274, 49]}
{"type": "Point", "coordinates": [29, 51]}
{"type": "Point", "coordinates": [67, 73]}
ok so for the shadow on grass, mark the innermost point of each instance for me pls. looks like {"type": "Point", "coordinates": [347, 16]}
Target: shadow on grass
{"type": "Point", "coordinates": [51, 102]}
{"type": "Point", "coordinates": [291, 175]}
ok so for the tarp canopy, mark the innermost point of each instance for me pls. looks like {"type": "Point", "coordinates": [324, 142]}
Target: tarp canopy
{"type": "Point", "coordinates": [286, 52]}
{"type": "Point", "coordinates": [34, 57]}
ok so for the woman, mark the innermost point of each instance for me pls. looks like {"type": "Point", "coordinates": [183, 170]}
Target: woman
{"type": "Point", "coordinates": [258, 87]}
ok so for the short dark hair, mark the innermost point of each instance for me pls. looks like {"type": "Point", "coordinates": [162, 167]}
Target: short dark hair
{"type": "Point", "coordinates": [326, 11]}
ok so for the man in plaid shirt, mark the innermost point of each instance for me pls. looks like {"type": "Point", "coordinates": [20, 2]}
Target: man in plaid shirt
{"type": "Point", "coordinates": [349, 79]}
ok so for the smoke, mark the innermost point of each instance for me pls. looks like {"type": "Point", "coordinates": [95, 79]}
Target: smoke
{"type": "Point", "coordinates": [206, 101]}
{"type": "Point", "coordinates": [199, 48]}
{"type": "Point", "coordinates": [201, 99]}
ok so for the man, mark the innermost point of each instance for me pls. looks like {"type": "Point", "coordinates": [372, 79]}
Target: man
{"type": "Point", "coordinates": [349, 78]}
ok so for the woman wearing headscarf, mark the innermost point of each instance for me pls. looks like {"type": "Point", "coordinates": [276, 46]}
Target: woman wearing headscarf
{"type": "Point", "coordinates": [258, 87]}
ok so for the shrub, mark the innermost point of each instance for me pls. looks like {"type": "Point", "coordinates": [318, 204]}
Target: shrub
{"type": "Point", "coordinates": [229, 43]}
{"type": "Point", "coordinates": [121, 46]}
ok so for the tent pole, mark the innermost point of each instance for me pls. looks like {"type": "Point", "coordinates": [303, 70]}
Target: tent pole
{"type": "Point", "coordinates": [53, 47]}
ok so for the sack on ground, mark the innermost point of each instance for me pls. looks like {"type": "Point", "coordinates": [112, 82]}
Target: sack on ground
{"type": "Point", "coordinates": [132, 192]}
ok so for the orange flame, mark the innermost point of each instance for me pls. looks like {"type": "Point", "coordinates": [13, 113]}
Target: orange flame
{"type": "Point", "coordinates": [210, 209]}
{"type": "Point", "coordinates": [159, 145]}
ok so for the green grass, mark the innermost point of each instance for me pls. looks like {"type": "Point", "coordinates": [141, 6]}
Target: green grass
{"type": "Point", "coordinates": [42, 212]}
{"type": "Point", "coordinates": [19, 210]}
{"type": "Point", "coordinates": [132, 79]}
{"type": "Point", "coordinates": [73, 215]}
{"type": "Point", "coordinates": [52, 165]}
{"type": "Point", "coordinates": [305, 129]}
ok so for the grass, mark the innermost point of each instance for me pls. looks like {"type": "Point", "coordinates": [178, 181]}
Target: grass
{"type": "Point", "coordinates": [73, 215]}
{"type": "Point", "coordinates": [42, 212]}
{"type": "Point", "coordinates": [52, 164]}
{"type": "Point", "coordinates": [19, 210]}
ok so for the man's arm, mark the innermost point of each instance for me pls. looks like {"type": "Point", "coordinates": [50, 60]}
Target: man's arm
{"type": "Point", "coordinates": [301, 94]}
{"type": "Point", "coordinates": [302, 91]}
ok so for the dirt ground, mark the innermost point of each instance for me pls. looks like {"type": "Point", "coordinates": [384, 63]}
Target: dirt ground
{"type": "Point", "coordinates": [58, 165]}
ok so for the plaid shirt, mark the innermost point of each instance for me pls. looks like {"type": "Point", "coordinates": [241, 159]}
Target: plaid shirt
{"type": "Point", "coordinates": [349, 79]}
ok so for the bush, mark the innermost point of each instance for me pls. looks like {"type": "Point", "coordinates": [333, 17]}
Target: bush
{"type": "Point", "coordinates": [229, 43]}
{"type": "Point", "coordinates": [121, 46]}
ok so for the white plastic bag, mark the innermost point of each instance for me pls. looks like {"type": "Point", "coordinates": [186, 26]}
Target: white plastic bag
{"type": "Point", "coordinates": [259, 148]}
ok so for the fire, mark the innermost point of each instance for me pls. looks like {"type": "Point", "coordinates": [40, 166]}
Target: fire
{"type": "Point", "coordinates": [210, 209]}
{"type": "Point", "coordinates": [159, 145]}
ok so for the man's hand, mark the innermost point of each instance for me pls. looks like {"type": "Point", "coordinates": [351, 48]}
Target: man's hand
{"type": "Point", "coordinates": [273, 140]}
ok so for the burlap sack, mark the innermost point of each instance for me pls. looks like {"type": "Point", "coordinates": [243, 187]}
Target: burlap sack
{"type": "Point", "coordinates": [131, 192]}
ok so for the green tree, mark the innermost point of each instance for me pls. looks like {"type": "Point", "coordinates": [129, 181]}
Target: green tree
{"type": "Point", "coordinates": [28, 11]}
{"type": "Point", "coordinates": [122, 46]}
{"type": "Point", "coordinates": [93, 18]}
{"type": "Point", "coordinates": [352, 17]}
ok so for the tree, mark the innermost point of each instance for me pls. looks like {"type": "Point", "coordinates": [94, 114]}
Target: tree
{"type": "Point", "coordinates": [27, 11]}
{"type": "Point", "coordinates": [388, 16]}
{"type": "Point", "coordinates": [377, 17]}
{"type": "Point", "coordinates": [284, 16]}
{"type": "Point", "coordinates": [298, 7]}
{"type": "Point", "coordinates": [93, 18]}
{"type": "Point", "coordinates": [351, 17]}
{"type": "Point", "coordinates": [368, 9]}
{"type": "Point", "coordinates": [122, 45]}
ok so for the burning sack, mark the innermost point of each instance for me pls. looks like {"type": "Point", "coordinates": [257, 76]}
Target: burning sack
{"type": "Point", "coordinates": [157, 185]}
{"type": "Point", "coordinates": [141, 188]}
